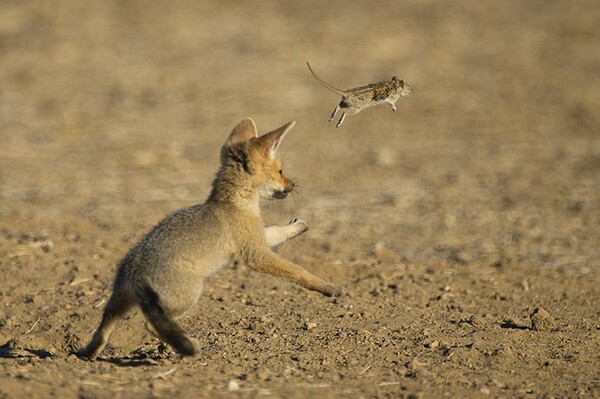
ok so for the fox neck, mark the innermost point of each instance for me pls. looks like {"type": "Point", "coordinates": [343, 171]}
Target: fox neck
{"type": "Point", "coordinates": [230, 188]}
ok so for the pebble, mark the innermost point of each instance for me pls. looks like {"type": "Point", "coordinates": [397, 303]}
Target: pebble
{"type": "Point", "coordinates": [431, 343]}
{"type": "Point", "coordinates": [233, 386]}
{"type": "Point", "coordinates": [541, 320]}
{"type": "Point", "coordinates": [264, 374]}
{"type": "Point", "coordinates": [309, 325]}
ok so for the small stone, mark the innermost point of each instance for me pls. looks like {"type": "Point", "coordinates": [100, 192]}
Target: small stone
{"type": "Point", "coordinates": [431, 343]}
{"type": "Point", "coordinates": [310, 325]}
{"type": "Point", "coordinates": [414, 365]}
{"type": "Point", "coordinates": [264, 374]}
{"type": "Point", "coordinates": [233, 386]}
{"type": "Point", "coordinates": [541, 320]}
{"type": "Point", "coordinates": [379, 247]}
{"type": "Point", "coordinates": [47, 245]}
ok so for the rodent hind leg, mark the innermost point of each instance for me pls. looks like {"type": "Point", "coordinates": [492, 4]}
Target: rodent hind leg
{"type": "Point", "coordinates": [335, 110]}
{"type": "Point", "coordinates": [392, 105]}
{"type": "Point", "coordinates": [341, 120]}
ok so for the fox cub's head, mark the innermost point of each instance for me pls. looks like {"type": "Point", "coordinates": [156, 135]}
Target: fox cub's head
{"type": "Point", "coordinates": [254, 159]}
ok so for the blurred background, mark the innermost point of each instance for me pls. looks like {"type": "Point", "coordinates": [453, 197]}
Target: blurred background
{"type": "Point", "coordinates": [115, 111]}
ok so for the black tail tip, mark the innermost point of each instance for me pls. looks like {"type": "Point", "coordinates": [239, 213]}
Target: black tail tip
{"type": "Point", "coordinates": [185, 347]}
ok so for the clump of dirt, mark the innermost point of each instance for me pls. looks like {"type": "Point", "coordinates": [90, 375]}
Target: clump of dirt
{"type": "Point", "coordinates": [541, 320]}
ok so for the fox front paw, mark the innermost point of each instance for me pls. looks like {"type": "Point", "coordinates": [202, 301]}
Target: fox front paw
{"type": "Point", "coordinates": [301, 225]}
{"type": "Point", "coordinates": [333, 291]}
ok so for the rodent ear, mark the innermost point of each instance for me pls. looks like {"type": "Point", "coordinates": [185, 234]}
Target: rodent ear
{"type": "Point", "coordinates": [270, 141]}
{"type": "Point", "coordinates": [244, 131]}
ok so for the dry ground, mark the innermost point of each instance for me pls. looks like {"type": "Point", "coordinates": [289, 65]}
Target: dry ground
{"type": "Point", "coordinates": [447, 222]}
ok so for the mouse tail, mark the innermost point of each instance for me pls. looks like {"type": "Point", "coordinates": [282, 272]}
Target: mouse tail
{"type": "Point", "coordinates": [325, 84]}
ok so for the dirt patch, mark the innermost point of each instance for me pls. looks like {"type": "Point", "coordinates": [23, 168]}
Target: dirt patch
{"type": "Point", "coordinates": [448, 222]}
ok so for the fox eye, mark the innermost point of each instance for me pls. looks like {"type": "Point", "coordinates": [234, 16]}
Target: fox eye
{"type": "Point", "coordinates": [281, 171]}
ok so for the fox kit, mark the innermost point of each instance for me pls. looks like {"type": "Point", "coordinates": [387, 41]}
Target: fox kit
{"type": "Point", "coordinates": [359, 98]}
{"type": "Point", "coordinates": [165, 271]}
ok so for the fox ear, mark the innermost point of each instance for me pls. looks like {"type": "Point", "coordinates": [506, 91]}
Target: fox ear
{"type": "Point", "coordinates": [244, 131]}
{"type": "Point", "coordinates": [270, 141]}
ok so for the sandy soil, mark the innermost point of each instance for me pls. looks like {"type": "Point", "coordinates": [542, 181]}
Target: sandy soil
{"type": "Point", "coordinates": [447, 222]}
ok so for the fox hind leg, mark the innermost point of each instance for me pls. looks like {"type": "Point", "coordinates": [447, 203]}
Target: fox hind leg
{"type": "Point", "coordinates": [117, 306]}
